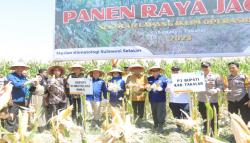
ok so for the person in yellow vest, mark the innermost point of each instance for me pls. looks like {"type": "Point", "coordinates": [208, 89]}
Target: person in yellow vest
{"type": "Point", "coordinates": [136, 84]}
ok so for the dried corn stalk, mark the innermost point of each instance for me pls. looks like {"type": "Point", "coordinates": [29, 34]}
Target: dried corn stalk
{"type": "Point", "coordinates": [187, 124]}
{"type": "Point", "coordinates": [199, 138]}
{"type": "Point", "coordinates": [5, 95]}
{"type": "Point", "coordinates": [240, 130]}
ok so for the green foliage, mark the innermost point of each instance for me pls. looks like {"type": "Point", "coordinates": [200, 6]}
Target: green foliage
{"type": "Point", "coordinates": [219, 65]}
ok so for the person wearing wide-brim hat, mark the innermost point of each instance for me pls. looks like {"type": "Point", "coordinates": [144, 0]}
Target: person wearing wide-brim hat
{"type": "Point", "coordinates": [19, 92]}
{"type": "Point", "coordinates": [136, 67]}
{"type": "Point", "coordinates": [76, 66]}
{"type": "Point", "coordinates": [59, 70]}
{"type": "Point", "coordinates": [96, 70]}
{"type": "Point", "coordinates": [56, 88]}
{"type": "Point", "coordinates": [94, 100]}
{"type": "Point", "coordinates": [19, 64]}
{"type": "Point", "coordinates": [116, 87]}
{"type": "Point", "coordinates": [116, 70]}
{"type": "Point", "coordinates": [136, 84]}
{"type": "Point", "coordinates": [74, 99]}
{"type": "Point", "coordinates": [157, 84]}
{"type": "Point", "coordinates": [150, 70]}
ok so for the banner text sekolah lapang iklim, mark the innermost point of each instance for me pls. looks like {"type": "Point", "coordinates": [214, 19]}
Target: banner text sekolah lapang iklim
{"type": "Point", "coordinates": [99, 29]}
{"type": "Point", "coordinates": [165, 9]}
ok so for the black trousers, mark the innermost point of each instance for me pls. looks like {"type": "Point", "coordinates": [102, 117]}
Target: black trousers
{"type": "Point", "coordinates": [138, 107]}
{"type": "Point", "coordinates": [77, 107]}
{"type": "Point", "coordinates": [54, 108]}
{"type": "Point", "coordinates": [203, 111]}
{"type": "Point", "coordinates": [176, 109]}
{"type": "Point", "coordinates": [158, 112]}
{"type": "Point", "coordinates": [70, 99]}
{"type": "Point", "coordinates": [235, 107]}
{"type": "Point", "coordinates": [9, 124]}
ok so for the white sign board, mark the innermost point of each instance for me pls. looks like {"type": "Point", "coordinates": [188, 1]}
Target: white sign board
{"type": "Point", "coordinates": [1, 82]}
{"type": "Point", "coordinates": [189, 82]}
{"type": "Point", "coordinates": [80, 86]}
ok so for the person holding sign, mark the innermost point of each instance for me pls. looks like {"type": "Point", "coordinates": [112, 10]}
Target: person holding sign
{"type": "Point", "coordinates": [178, 100]}
{"type": "Point", "coordinates": [213, 87]}
{"type": "Point", "coordinates": [238, 89]}
{"type": "Point", "coordinates": [94, 100]}
{"type": "Point", "coordinates": [75, 99]}
{"type": "Point", "coordinates": [157, 84]}
{"type": "Point", "coordinates": [116, 87]}
{"type": "Point", "coordinates": [136, 84]}
{"type": "Point", "coordinates": [56, 89]}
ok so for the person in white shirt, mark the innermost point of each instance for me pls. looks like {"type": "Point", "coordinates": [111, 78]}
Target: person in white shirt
{"type": "Point", "coordinates": [178, 101]}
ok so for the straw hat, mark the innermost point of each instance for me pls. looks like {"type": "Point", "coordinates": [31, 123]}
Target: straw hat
{"type": "Point", "coordinates": [155, 67]}
{"type": "Point", "coordinates": [136, 66]}
{"type": "Point", "coordinates": [19, 64]}
{"type": "Point", "coordinates": [100, 71]}
{"type": "Point", "coordinates": [51, 69]}
{"type": "Point", "coordinates": [76, 66]}
{"type": "Point", "coordinates": [115, 70]}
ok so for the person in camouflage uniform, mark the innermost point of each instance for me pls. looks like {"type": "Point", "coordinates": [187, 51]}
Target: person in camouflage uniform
{"type": "Point", "coordinates": [56, 89]}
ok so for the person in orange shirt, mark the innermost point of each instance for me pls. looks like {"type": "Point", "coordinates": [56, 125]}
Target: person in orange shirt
{"type": "Point", "coordinates": [136, 84]}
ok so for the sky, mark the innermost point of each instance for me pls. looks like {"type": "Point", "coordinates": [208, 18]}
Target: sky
{"type": "Point", "coordinates": [26, 30]}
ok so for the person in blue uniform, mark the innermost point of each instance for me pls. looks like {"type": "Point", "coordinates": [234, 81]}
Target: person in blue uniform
{"type": "Point", "coordinates": [94, 100]}
{"type": "Point", "coordinates": [157, 96]}
{"type": "Point", "coordinates": [116, 88]}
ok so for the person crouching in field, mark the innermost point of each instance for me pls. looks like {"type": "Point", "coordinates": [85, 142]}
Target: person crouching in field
{"type": "Point", "coordinates": [56, 84]}
{"type": "Point", "coordinates": [213, 87]}
{"type": "Point", "coordinates": [157, 96]}
{"type": "Point", "coordinates": [75, 99]}
{"type": "Point", "coordinates": [94, 101]}
{"type": "Point", "coordinates": [116, 87]}
{"type": "Point", "coordinates": [238, 92]}
{"type": "Point", "coordinates": [136, 84]}
{"type": "Point", "coordinates": [178, 101]}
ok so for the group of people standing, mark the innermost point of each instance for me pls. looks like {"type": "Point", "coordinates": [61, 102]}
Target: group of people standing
{"type": "Point", "coordinates": [51, 94]}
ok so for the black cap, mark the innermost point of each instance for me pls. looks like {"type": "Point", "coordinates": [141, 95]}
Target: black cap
{"type": "Point", "coordinates": [41, 70]}
{"type": "Point", "coordinates": [234, 63]}
{"type": "Point", "coordinates": [125, 67]}
{"type": "Point", "coordinates": [205, 64]}
{"type": "Point", "coordinates": [175, 68]}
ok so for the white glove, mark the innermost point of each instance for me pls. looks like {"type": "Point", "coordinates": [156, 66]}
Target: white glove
{"type": "Point", "coordinates": [148, 87]}
{"type": "Point", "coordinates": [213, 91]}
{"type": "Point", "coordinates": [227, 90]}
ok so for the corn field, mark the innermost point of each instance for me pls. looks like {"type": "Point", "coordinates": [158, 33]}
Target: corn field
{"type": "Point", "coordinates": [219, 65]}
